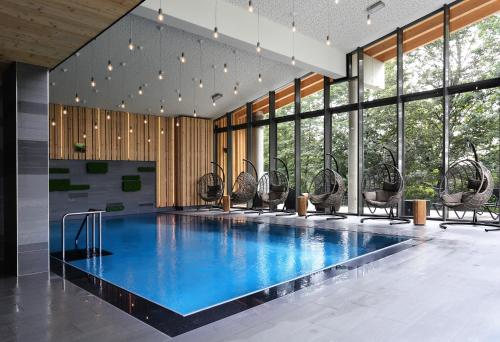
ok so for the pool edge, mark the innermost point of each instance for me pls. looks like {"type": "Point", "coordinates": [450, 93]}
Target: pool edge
{"type": "Point", "coordinates": [174, 324]}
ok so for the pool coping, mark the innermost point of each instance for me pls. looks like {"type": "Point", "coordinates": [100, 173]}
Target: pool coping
{"type": "Point", "coordinates": [174, 324]}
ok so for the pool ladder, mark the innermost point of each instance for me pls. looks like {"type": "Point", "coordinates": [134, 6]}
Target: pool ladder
{"type": "Point", "coordinates": [91, 216]}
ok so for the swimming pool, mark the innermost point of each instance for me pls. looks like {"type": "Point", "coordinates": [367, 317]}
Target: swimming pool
{"type": "Point", "coordinates": [188, 263]}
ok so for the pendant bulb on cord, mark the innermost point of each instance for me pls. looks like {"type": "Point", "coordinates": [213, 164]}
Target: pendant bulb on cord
{"type": "Point", "coordinates": [250, 7]}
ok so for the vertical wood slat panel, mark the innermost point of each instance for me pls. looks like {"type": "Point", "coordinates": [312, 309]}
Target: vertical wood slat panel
{"type": "Point", "coordinates": [182, 154]}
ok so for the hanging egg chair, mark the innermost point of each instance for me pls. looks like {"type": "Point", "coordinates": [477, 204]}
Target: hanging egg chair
{"type": "Point", "coordinates": [211, 186]}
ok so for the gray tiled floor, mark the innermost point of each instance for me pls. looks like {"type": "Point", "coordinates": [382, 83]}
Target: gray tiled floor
{"type": "Point", "coordinates": [446, 289]}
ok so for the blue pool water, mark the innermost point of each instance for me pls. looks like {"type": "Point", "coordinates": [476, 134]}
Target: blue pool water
{"type": "Point", "coordinates": [187, 264]}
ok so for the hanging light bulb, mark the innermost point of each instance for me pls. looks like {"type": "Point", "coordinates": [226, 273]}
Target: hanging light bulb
{"type": "Point", "coordinates": [145, 121]}
{"type": "Point", "coordinates": [130, 130]}
{"type": "Point", "coordinates": [293, 60]}
{"type": "Point", "coordinates": [95, 126]}
{"type": "Point", "coordinates": [194, 113]}
{"type": "Point", "coordinates": [216, 32]}
{"type": "Point", "coordinates": [214, 103]}
{"type": "Point", "coordinates": [140, 92]}
{"type": "Point", "coordinates": [130, 44]}
{"type": "Point", "coordinates": [162, 131]}
{"type": "Point", "coordinates": [250, 7]}
{"type": "Point", "coordinates": [328, 40]}
{"type": "Point", "coordinates": [368, 19]}
{"type": "Point", "coordinates": [161, 109]}
{"type": "Point", "coordinates": [183, 58]}
{"type": "Point", "coordinates": [119, 138]}
{"type": "Point", "coordinates": [177, 124]}
{"type": "Point", "coordinates": [336, 2]}
{"type": "Point", "coordinates": [294, 28]}
{"type": "Point", "coordinates": [258, 47]}
{"type": "Point", "coordinates": [92, 82]}
{"type": "Point", "coordinates": [110, 66]}
{"type": "Point", "coordinates": [180, 97]}
{"type": "Point", "coordinates": [149, 140]}
{"type": "Point", "coordinates": [65, 111]}
{"type": "Point", "coordinates": [235, 91]}
{"type": "Point", "coordinates": [53, 123]}
{"type": "Point", "coordinates": [160, 74]}
{"type": "Point", "coordinates": [160, 14]}
{"type": "Point", "coordinates": [225, 67]}
{"type": "Point", "coordinates": [260, 78]}
{"type": "Point", "coordinates": [108, 117]}
{"type": "Point", "coordinates": [77, 98]}
{"type": "Point", "coordinates": [84, 136]}
{"type": "Point", "coordinates": [122, 104]}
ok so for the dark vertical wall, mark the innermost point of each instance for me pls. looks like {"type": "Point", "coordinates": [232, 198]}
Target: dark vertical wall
{"type": "Point", "coordinates": [25, 158]}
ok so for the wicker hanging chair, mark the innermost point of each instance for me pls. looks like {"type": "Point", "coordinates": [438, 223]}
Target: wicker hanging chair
{"type": "Point", "coordinates": [467, 185]}
{"type": "Point", "coordinates": [383, 188]}
{"type": "Point", "coordinates": [273, 188]}
{"type": "Point", "coordinates": [211, 186]}
{"type": "Point", "coordinates": [245, 186]}
{"type": "Point", "coordinates": [326, 191]}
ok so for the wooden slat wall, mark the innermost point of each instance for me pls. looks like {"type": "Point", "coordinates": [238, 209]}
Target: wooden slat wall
{"type": "Point", "coordinates": [165, 161]}
{"type": "Point", "coordinates": [193, 148]}
{"type": "Point", "coordinates": [239, 152]}
{"type": "Point", "coordinates": [112, 135]}
{"type": "Point", "coordinates": [222, 154]}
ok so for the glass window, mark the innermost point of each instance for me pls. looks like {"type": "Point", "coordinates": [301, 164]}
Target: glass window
{"type": "Point", "coordinates": [285, 101]}
{"type": "Point", "coordinates": [423, 152]}
{"type": "Point", "coordinates": [379, 130]}
{"type": "Point", "coordinates": [311, 93]}
{"type": "Point", "coordinates": [339, 94]}
{"type": "Point", "coordinates": [260, 108]}
{"type": "Point", "coordinates": [239, 116]}
{"type": "Point", "coordinates": [475, 116]}
{"type": "Point", "coordinates": [474, 49]}
{"type": "Point", "coordinates": [380, 69]}
{"type": "Point", "coordinates": [423, 55]}
{"type": "Point", "coordinates": [286, 148]}
{"type": "Point", "coordinates": [312, 146]}
{"type": "Point", "coordinates": [341, 135]}
{"type": "Point", "coordinates": [221, 122]}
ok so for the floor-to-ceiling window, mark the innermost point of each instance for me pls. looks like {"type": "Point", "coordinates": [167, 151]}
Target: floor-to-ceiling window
{"type": "Point", "coordinates": [379, 131]}
{"type": "Point", "coordinates": [423, 137]}
{"type": "Point", "coordinates": [475, 118]}
{"type": "Point", "coordinates": [380, 69]}
{"type": "Point", "coordinates": [474, 50]}
{"type": "Point", "coordinates": [423, 55]}
{"type": "Point", "coordinates": [311, 154]}
{"type": "Point", "coordinates": [340, 151]}
{"type": "Point", "coordinates": [286, 148]}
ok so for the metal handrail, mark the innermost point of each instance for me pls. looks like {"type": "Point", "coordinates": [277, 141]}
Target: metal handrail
{"type": "Point", "coordinates": [87, 213]}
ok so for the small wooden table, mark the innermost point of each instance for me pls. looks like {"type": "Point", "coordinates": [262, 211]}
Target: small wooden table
{"type": "Point", "coordinates": [226, 203]}
{"type": "Point", "coordinates": [419, 212]}
{"type": "Point", "coordinates": [302, 205]}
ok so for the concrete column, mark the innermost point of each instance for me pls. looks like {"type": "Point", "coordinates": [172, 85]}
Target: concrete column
{"type": "Point", "coordinates": [258, 145]}
{"type": "Point", "coordinates": [352, 159]}
{"type": "Point", "coordinates": [25, 159]}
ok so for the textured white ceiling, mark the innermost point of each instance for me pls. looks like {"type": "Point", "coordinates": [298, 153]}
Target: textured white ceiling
{"type": "Point", "coordinates": [142, 66]}
{"type": "Point", "coordinates": [347, 26]}
{"type": "Point", "coordinates": [348, 18]}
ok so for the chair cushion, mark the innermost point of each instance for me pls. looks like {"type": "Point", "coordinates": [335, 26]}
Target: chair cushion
{"type": "Point", "coordinates": [391, 187]}
{"type": "Point", "coordinates": [370, 195]}
{"type": "Point", "coordinates": [277, 188]}
{"type": "Point", "coordinates": [452, 199]}
{"type": "Point", "coordinates": [382, 195]}
{"type": "Point", "coordinates": [474, 184]}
